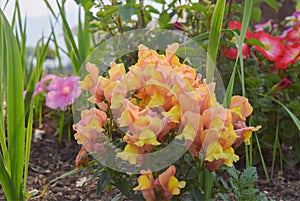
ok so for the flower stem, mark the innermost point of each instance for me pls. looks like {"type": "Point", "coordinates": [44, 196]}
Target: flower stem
{"type": "Point", "coordinates": [208, 184]}
{"type": "Point", "coordinates": [61, 126]}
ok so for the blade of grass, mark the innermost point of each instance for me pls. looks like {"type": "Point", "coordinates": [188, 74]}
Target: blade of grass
{"type": "Point", "coordinates": [6, 182]}
{"type": "Point", "coordinates": [56, 46]}
{"type": "Point", "coordinates": [28, 145]}
{"type": "Point", "coordinates": [214, 39]}
{"type": "Point", "coordinates": [229, 89]}
{"type": "Point", "coordinates": [83, 36]}
{"type": "Point", "coordinates": [245, 24]}
{"type": "Point", "coordinates": [2, 97]}
{"type": "Point", "coordinates": [15, 106]}
{"type": "Point", "coordinates": [69, 39]}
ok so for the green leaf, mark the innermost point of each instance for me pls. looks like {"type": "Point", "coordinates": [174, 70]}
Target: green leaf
{"type": "Point", "coordinates": [164, 19]}
{"type": "Point", "coordinates": [86, 4]}
{"type": "Point", "coordinates": [298, 6]}
{"type": "Point", "coordinates": [273, 4]}
{"type": "Point", "coordinates": [248, 177]}
{"type": "Point", "coordinates": [256, 14]}
{"type": "Point", "coordinates": [214, 39]}
{"type": "Point", "coordinates": [151, 9]}
{"type": "Point", "coordinates": [104, 179]}
{"type": "Point", "coordinates": [253, 41]}
{"type": "Point", "coordinates": [198, 7]}
{"type": "Point", "coordinates": [125, 12]}
{"type": "Point", "coordinates": [160, 1]}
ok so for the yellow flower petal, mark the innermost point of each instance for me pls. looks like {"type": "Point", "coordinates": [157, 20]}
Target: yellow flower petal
{"type": "Point", "coordinates": [144, 183]}
{"type": "Point", "coordinates": [188, 133]}
{"type": "Point", "coordinates": [125, 119]}
{"type": "Point", "coordinates": [117, 101]}
{"type": "Point", "coordinates": [174, 185]}
{"type": "Point", "coordinates": [129, 154]}
{"type": "Point", "coordinates": [174, 114]}
{"type": "Point", "coordinates": [147, 137]}
{"type": "Point", "coordinates": [156, 100]}
{"type": "Point", "coordinates": [116, 71]}
{"type": "Point", "coordinates": [238, 111]}
{"type": "Point", "coordinates": [214, 152]}
{"type": "Point", "coordinates": [231, 157]}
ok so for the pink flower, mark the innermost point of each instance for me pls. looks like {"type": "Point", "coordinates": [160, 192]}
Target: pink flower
{"type": "Point", "coordinates": [294, 19]}
{"type": "Point", "coordinates": [266, 26]}
{"type": "Point", "coordinates": [41, 85]}
{"type": "Point", "coordinates": [273, 46]}
{"type": "Point", "coordinates": [62, 92]}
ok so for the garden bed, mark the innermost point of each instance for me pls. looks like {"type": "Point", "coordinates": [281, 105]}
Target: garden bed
{"type": "Point", "coordinates": [50, 159]}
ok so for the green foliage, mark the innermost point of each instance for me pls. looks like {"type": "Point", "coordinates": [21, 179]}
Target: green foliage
{"type": "Point", "coordinates": [11, 86]}
{"type": "Point", "coordinates": [240, 185]}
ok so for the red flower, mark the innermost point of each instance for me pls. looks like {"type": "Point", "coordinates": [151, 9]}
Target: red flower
{"type": "Point", "coordinates": [293, 35]}
{"type": "Point", "coordinates": [178, 26]}
{"type": "Point", "coordinates": [232, 53]}
{"type": "Point", "coordinates": [283, 84]}
{"type": "Point", "coordinates": [238, 25]}
{"type": "Point", "coordinates": [289, 56]}
{"type": "Point", "coordinates": [273, 46]}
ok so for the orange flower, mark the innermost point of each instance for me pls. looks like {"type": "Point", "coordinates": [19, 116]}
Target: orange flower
{"type": "Point", "coordinates": [213, 112]}
{"type": "Point", "coordinates": [240, 108]}
{"type": "Point", "coordinates": [215, 152]}
{"type": "Point", "coordinates": [244, 133]}
{"type": "Point", "coordinates": [146, 182]}
{"type": "Point", "coordinates": [90, 81]}
{"type": "Point", "coordinates": [169, 183]}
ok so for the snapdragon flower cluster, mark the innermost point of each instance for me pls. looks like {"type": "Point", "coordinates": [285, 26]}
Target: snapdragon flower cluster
{"type": "Point", "coordinates": [157, 97]}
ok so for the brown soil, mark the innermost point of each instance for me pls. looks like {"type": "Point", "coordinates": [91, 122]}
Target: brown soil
{"type": "Point", "coordinates": [50, 159]}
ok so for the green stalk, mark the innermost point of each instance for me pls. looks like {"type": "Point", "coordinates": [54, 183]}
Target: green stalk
{"type": "Point", "coordinates": [276, 141]}
{"type": "Point", "coordinates": [28, 145]}
{"type": "Point", "coordinates": [61, 126]}
{"type": "Point", "coordinates": [280, 159]}
{"type": "Point", "coordinates": [262, 159]}
{"type": "Point", "coordinates": [69, 122]}
{"type": "Point", "coordinates": [208, 184]}
{"type": "Point", "coordinates": [214, 39]}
